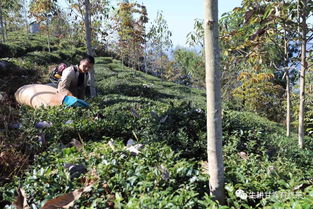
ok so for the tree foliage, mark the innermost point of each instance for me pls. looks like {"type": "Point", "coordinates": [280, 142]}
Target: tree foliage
{"type": "Point", "coordinates": [190, 67]}
{"type": "Point", "coordinates": [158, 46]}
{"type": "Point", "coordinates": [10, 16]}
{"type": "Point", "coordinates": [253, 40]}
{"type": "Point", "coordinates": [43, 10]}
{"type": "Point", "coordinates": [99, 10]}
{"type": "Point", "coordinates": [129, 22]}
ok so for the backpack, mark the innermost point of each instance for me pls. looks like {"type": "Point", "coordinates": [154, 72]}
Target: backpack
{"type": "Point", "coordinates": [56, 73]}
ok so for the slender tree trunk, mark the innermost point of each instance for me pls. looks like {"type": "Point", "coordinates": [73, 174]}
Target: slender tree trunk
{"type": "Point", "coordinates": [25, 14]}
{"type": "Point", "coordinates": [302, 75]}
{"type": "Point", "coordinates": [5, 23]}
{"type": "Point", "coordinates": [288, 115]}
{"type": "Point", "coordinates": [89, 48]}
{"type": "Point", "coordinates": [1, 25]}
{"type": "Point", "coordinates": [298, 14]}
{"type": "Point", "coordinates": [88, 28]}
{"type": "Point", "coordinates": [161, 58]}
{"type": "Point", "coordinates": [213, 92]}
{"type": "Point", "coordinates": [48, 36]}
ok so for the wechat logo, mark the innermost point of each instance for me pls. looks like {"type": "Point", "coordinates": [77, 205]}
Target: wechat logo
{"type": "Point", "coordinates": [241, 194]}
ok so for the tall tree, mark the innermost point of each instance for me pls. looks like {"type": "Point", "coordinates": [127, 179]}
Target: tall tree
{"type": "Point", "coordinates": [288, 97]}
{"type": "Point", "coordinates": [89, 47]}
{"type": "Point", "coordinates": [60, 25]}
{"type": "Point", "coordinates": [7, 8]}
{"type": "Point", "coordinates": [44, 10]}
{"type": "Point", "coordinates": [129, 22]}
{"type": "Point", "coordinates": [190, 66]}
{"type": "Point", "coordinates": [276, 22]}
{"type": "Point", "coordinates": [1, 23]}
{"type": "Point", "coordinates": [277, 14]}
{"type": "Point", "coordinates": [213, 92]}
{"type": "Point", "coordinates": [158, 44]}
{"type": "Point", "coordinates": [98, 13]}
{"type": "Point", "coordinates": [88, 14]}
{"type": "Point", "coordinates": [242, 46]}
{"type": "Point", "coordinates": [88, 27]}
{"type": "Point", "coordinates": [304, 67]}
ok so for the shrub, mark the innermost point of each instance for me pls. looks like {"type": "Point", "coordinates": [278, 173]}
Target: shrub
{"type": "Point", "coordinates": [258, 157]}
{"type": "Point", "coordinates": [11, 50]}
{"type": "Point", "coordinates": [155, 178]}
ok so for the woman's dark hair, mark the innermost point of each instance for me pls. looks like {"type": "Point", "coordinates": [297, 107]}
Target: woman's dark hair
{"type": "Point", "coordinates": [90, 59]}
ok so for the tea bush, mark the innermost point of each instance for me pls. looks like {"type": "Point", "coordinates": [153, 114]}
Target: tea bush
{"type": "Point", "coordinates": [155, 178]}
{"type": "Point", "coordinates": [111, 117]}
{"type": "Point", "coordinates": [19, 44]}
{"type": "Point", "coordinates": [24, 60]}
{"type": "Point", "coordinates": [169, 119]}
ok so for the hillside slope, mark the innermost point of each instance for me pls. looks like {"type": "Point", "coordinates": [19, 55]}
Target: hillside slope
{"type": "Point", "coordinates": [114, 78]}
{"type": "Point", "coordinates": [163, 165]}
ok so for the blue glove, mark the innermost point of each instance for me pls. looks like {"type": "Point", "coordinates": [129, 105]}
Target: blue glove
{"type": "Point", "coordinates": [81, 103]}
{"type": "Point", "coordinates": [70, 101]}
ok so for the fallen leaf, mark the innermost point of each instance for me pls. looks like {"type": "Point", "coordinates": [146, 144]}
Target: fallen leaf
{"type": "Point", "coordinates": [134, 113]}
{"type": "Point", "coordinates": [21, 200]}
{"type": "Point", "coordinates": [66, 200]}
{"type": "Point", "coordinates": [43, 124]}
{"type": "Point", "coordinates": [76, 170]}
{"type": "Point", "coordinates": [303, 186]}
{"type": "Point", "coordinates": [130, 142]}
{"type": "Point", "coordinates": [134, 149]}
{"type": "Point", "coordinates": [164, 119]}
{"type": "Point", "coordinates": [42, 138]}
{"type": "Point", "coordinates": [243, 155]}
{"type": "Point", "coordinates": [165, 173]}
{"type": "Point", "coordinates": [111, 144]}
{"type": "Point", "coordinates": [15, 126]}
{"type": "Point", "coordinates": [69, 122]}
{"type": "Point", "coordinates": [76, 144]}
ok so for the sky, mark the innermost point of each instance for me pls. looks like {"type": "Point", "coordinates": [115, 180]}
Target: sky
{"type": "Point", "coordinates": [180, 14]}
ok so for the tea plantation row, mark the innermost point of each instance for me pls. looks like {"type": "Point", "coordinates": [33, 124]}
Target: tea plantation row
{"type": "Point", "coordinates": [170, 170]}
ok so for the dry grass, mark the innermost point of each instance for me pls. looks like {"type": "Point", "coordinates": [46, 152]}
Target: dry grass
{"type": "Point", "coordinates": [12, 160]}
